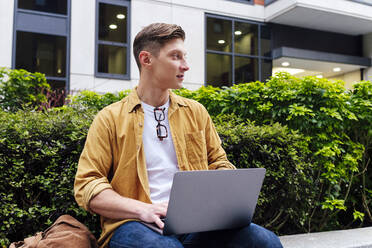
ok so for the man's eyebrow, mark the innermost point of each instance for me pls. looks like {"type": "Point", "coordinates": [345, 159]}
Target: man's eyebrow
{"type": "Point", "coordinates": [177, 51]}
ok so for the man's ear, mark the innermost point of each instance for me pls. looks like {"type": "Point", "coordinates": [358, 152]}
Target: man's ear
{"type": "Point", "coordinates": [145, 58]}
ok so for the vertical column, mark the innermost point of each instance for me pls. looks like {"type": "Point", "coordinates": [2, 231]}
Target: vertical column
{"type": "Point", "coordinates": [82, 45]}
{"type": "Point", "coordinates": [6, 32]}
{"type": "Point", "coordinates": [367, 52]}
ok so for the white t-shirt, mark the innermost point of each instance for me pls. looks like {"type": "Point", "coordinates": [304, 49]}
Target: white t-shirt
{"type": "Point", "coordinates": [161, 159]}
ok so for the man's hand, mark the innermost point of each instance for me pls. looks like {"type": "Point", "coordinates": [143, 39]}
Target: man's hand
{"type": "Point", "coordinates": [153, 212]}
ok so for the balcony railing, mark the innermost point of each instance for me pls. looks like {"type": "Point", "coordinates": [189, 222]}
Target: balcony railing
{"type": "Point", "coordinates": [367, 2]}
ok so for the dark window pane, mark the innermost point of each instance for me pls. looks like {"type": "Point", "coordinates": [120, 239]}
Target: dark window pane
{"type": "Point", "coordinates": [52, 6]}
{"type": "Point", "coordinates": [266, 69]}
{"type": "Point", "coordinates": [112, 23]}
{"type": "Point", "coordinates": [265, 41]}
{"type": "Point", "coordinates": [41, 53]}
{"type": "Point", "coordinates": [246, 38]}
{"type": "Point", "coordinates": [219, 34]}
{"type": "Point", "coordinates": [219, 70]}
{"type": "Point", "coordinates": [112, 59]}
{"type": "Point", "coordinates": [246, 70]}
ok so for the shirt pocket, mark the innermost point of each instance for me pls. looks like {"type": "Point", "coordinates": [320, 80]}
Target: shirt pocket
{"type": "Point", "coordinates": [196, 150]}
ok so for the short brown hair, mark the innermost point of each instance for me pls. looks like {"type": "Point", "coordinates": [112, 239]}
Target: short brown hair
{"type": "Point", "coordinates": [154, 36]}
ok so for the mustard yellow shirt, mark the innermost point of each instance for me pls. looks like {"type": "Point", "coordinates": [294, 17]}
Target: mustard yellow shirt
{"type": "Point", "coordinates": [113, 156]}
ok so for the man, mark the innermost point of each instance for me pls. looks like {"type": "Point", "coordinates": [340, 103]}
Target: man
{"type": "Point", "coordinates": [135, 146]}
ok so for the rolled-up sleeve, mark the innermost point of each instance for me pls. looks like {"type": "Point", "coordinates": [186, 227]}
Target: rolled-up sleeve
{"type": "Point", "coordinates": [95, 162]}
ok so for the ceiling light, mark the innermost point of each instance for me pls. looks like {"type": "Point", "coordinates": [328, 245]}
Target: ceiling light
{"type": "Point", "coordinates": [221, 41]}
{"type": "Point", "coordinates": [319, 76]}
{"type": "Point", "coordinates": [285, 63]}
{"type": "Point", "coordinates": [336, 69]}
{"type": "Point", "coordinates": [292, 71]}
{"type": "Point", "coordinates": [120, 16]}
{"type": "Point", "coordinates": [113, 26]}
{"type": "Point", "coordinates": [238, 32]}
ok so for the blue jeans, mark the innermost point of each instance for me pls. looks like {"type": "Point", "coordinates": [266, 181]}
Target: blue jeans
{"type": "Point", "coordinates": [134, 234]}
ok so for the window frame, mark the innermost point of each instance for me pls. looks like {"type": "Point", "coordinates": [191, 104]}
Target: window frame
{"type": "Point", "coordinates": [123, 3]}
{"type": "Point", "coordinates": [44, 12]}
{"type": "Point", "coordinates": [366, 2]}
{"type": "Point", "coordinates": [233, 54]}
{"type": "Point", "coordinates": [66, 33]}
{"type": "Point", "coordinates": [250, 2]}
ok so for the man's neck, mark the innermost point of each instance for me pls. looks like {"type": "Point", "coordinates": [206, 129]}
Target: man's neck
{"type": "Point", "coordinates": [150, 95]}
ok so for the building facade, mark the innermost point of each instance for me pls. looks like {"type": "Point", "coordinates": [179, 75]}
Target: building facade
{"type": "Point", "coordinates": [87, 44]}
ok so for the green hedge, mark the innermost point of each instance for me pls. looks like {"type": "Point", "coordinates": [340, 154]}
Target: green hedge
{"type": "Point", "coordinates": [39, 152]}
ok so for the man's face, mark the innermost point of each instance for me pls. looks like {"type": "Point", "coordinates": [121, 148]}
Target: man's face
{"type": "Point", "coordinates": [169, 67]}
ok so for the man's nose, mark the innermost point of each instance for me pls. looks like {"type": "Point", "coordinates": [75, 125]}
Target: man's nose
{"type": "Point", "coordinates": [185, 66]}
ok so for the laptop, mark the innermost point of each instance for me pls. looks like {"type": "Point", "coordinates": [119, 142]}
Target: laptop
{"type": "Point", "coordinates": [211, 200]}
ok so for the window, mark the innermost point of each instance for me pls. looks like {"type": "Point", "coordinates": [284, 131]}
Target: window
{"type": "Point", "coordinates": [41, 53]}
{"type": "Point", "coordinates": [51, 6]}
{"type": "Point", "coordinates": [237, 51]}
{"type": "Point", "coordinates": [41, 39]}
{"type": "Point", "coordinates": [112, 42]}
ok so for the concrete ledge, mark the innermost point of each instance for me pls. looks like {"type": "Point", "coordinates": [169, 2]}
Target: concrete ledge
{"type": "Point", "coordinates": [353, 238]}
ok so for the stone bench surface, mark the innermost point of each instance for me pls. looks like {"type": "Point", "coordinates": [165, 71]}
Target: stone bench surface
{"type": "Point", "coordinates": [353, 238]}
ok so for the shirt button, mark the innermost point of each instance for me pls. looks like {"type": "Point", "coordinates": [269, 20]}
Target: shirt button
{"type": "Point", "coordinates": [138, 147]}
{"type": "Point", "coordinates": [140, 124]}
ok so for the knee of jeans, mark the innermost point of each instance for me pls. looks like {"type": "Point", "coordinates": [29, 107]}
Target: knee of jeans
{"type": "Point", "coordinates": [169, 242]}
{"type": "Point", "coordinates": [261, 237]}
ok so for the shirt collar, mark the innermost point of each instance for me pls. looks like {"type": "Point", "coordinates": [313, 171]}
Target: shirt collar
{"type": "Point", "coordinates": [133, 100]}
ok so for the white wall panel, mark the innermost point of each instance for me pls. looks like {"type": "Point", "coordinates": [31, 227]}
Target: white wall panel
{"type": "Point", "coordinates": [82, 37]}
{"type": "Point", "coordinates": [6, 32]}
